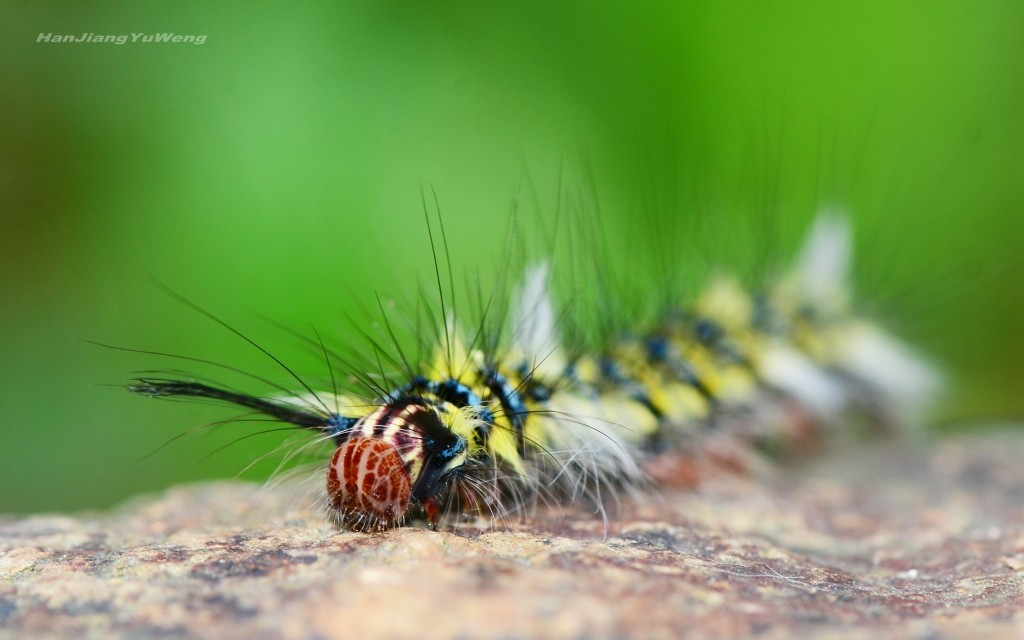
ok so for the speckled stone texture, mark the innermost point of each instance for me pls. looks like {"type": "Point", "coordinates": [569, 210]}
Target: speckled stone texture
{"type": "Point", "coordinates": [880, 542]}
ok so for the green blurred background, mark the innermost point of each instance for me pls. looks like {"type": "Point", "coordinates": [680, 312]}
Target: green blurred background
{"type": "Point", "coordinates": [276, 170]}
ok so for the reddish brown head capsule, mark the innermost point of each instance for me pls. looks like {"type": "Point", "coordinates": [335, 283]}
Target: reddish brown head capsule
{"type": "Point", "coordinates": [367, 484]}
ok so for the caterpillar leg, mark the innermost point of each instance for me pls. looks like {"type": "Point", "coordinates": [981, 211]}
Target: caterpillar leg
{"type": "Point", "coordinates": [433, 510]}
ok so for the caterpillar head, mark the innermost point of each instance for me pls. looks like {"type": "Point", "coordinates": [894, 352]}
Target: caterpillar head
{"type": "Point", "coordinates": [367, 484]}
{"type": "Point", "coordinates": [400, 455]}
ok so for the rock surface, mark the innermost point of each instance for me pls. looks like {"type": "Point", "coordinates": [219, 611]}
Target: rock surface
{"type": "Point", "coordinates": [876, 543]}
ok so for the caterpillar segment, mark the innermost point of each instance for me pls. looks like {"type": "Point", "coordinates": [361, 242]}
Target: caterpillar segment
{"type": "Point", "coordinates": [476, 434]}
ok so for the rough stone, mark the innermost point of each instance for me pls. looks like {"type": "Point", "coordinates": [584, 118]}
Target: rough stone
{"type": "Point", "coordinates": [879, 542]}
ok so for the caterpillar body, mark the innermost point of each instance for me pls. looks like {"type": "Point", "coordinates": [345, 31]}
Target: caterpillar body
{"type": "Point", "coordinates": [480, 430]}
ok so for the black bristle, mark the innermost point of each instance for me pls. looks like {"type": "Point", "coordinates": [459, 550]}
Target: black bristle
{"type": "Point", "coordinates": [183, 389]}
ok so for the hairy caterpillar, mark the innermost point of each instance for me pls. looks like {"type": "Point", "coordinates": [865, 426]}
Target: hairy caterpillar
{"type": "Point", "coordinates": [487, 426]}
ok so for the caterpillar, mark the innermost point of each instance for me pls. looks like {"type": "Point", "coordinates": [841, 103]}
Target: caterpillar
{"type": "Point", "coordinates": [484, 426]}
